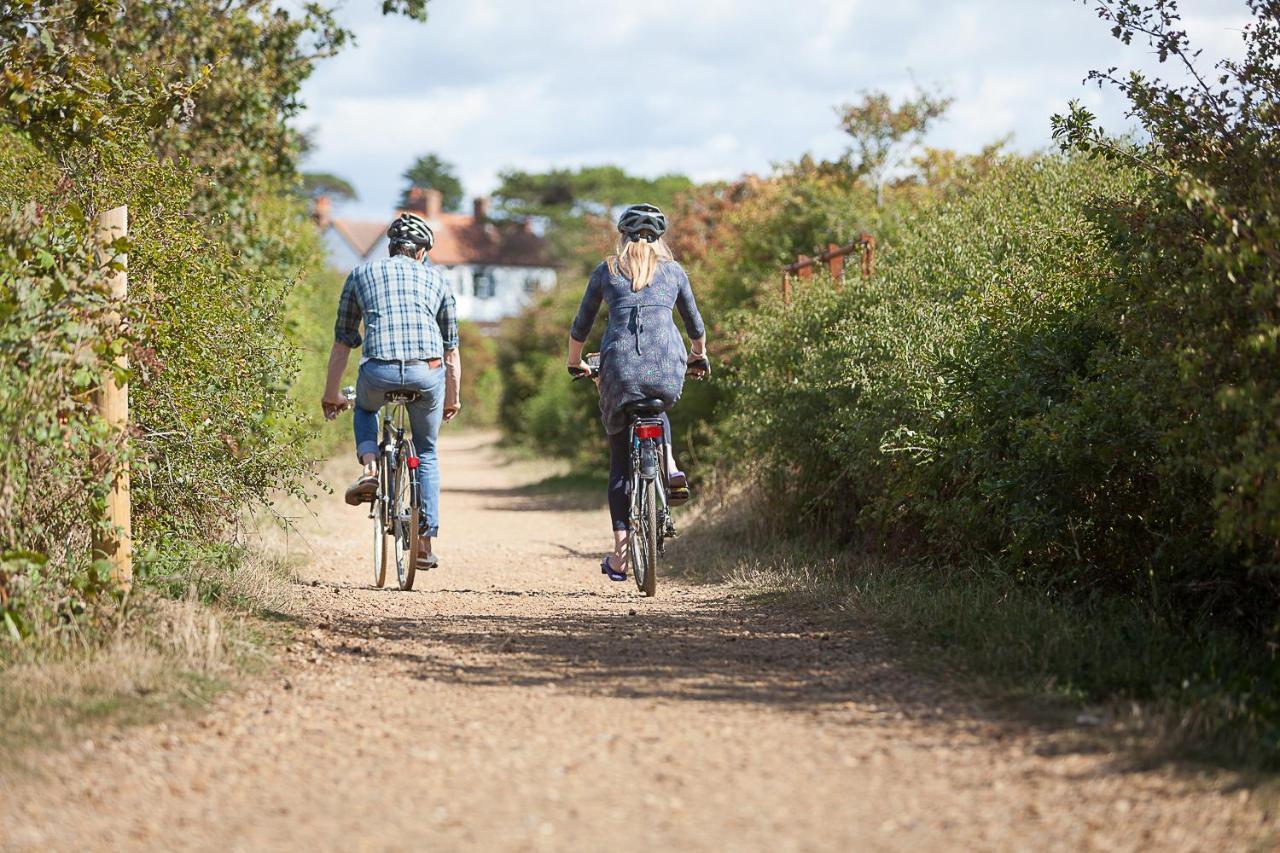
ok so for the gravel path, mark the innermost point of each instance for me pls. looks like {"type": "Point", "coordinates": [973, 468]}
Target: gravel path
{"type": "Point", "coordinates": [519, 701]}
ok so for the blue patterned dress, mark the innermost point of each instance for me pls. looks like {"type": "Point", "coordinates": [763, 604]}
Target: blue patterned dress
{"type": "Point", "coordinates": [642, 355]}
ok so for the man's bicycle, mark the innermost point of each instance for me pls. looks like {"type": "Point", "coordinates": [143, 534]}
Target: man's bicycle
{"type": "Point", "coordinates": [396, 507]}
{"type": "Point", "coordinates": [649, 522]}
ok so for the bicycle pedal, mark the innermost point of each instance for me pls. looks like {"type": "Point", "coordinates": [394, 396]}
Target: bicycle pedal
{"type": "Point", "coordinates": [670, 532]}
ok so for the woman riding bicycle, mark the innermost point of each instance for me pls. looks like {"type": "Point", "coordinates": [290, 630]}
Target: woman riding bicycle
{"type": "Point", "coordinates": [642, 356]}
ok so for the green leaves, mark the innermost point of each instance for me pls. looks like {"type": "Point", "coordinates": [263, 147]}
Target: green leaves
{"type": "Point", "coordinates": [413, 9]}
{"type": "Point", "coordinates": [1067, 364]}
{"type": "Point", "coordinates": [884, 133]}
{"type": "Point", "coordinates": [96, 112]}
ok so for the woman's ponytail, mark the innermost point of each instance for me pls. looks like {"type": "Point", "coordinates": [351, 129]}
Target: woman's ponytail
{"type": "Point", "coordinates": [639, 261]}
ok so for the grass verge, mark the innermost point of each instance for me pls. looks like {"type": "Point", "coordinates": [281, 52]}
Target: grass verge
{"type": "Point", "coordinates": [196, 623]}
{"type": "Point", "coordinates": [1187, 691]}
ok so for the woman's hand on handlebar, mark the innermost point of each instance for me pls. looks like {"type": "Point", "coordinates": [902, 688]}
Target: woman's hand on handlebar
{"type": "Point", "coordinates": [698, 366]}
{"type": "Point", "coordinates": [588, 367]}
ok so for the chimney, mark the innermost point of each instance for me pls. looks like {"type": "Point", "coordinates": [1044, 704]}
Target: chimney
{"type": "Point", "coordinates": [322, 211]}
{"type": "Point", "coordinates": [480, 208]}
{"type": "Point", "coordinates": [428, 202]}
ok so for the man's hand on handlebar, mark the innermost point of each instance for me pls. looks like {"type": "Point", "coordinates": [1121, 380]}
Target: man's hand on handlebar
{"type": "Point", "coordinates": [332, 404]}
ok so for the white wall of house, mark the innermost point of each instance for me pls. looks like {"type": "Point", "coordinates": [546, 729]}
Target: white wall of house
{"type": "Point", "coordinates": [486, 294]}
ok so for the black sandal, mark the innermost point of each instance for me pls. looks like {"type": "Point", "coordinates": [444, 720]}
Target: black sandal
{"type": "Point", "coordinates": [606, 568]}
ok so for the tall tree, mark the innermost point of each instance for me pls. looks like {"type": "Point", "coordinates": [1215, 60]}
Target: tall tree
{"type": "Point", "coordinates": [316, 184]}
{"type": "Point", "coordinates": [431, 172]}
{"type": "Point", "coordinates": [886, 134]}
{"type": "Point", "coordinates": [596, 190]}
{"type": "Point", "coordinates": [576, 207]}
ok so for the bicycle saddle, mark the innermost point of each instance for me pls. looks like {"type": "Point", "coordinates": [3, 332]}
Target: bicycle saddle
{"type": "Point", "coordinates": [645, 408]}
{"type": "Point", "coordinates": [402, 396]}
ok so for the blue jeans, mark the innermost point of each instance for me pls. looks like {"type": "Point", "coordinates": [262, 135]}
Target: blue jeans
{"type": "Point", "coordinates": [375, 380]}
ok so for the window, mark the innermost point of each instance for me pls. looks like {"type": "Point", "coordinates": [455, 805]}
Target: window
{"type": "Point", "coordinates": [531, 284]}
{"type": "Point", "coordinates": [452, 276]}
{"type": "Point", "coordinates": [486, 287]}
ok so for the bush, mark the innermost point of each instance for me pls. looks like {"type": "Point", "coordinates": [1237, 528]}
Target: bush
{"type": "Point", "coordinates": [96, 115]}
{"type": "Point", "coordinates": [1007, 392]}
{"type": "Point", "coordinates": [986, 394]}
{"type": "Point", "coordinates": [56, 336]}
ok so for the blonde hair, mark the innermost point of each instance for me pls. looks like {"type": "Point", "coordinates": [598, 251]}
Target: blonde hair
{"type": "Point", "coordinates": [639, 260]}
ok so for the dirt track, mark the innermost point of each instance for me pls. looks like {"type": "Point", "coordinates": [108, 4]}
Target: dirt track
{"type": "Point", "coordinates": [518, 700]}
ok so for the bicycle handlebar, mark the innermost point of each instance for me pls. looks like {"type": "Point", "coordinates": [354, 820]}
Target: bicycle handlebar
{"type": "Point", "coordinates": [593, 361]}
{"type": "Point", "coordinates": [699, 368]}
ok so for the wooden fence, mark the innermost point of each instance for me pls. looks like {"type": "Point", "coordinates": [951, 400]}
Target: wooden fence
{"type": "Point", "coordinates": [834, 257]}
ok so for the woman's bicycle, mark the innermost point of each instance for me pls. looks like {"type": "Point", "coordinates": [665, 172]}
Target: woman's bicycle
{"type": "Point", "coordinates": [396, 508]}
{"type": "Point", "coordinates": [649, 522]}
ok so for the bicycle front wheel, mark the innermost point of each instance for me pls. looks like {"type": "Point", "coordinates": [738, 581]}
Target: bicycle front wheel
{"type": "Point", "coordinates": [405, 520]}
{"type": "Point", "coordinates": [380, 538]}
{"type": "Point", "coordinates": [642, 541]}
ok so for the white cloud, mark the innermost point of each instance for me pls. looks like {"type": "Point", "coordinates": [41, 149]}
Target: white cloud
{"type": "Point", "coordinates": [711, 89]}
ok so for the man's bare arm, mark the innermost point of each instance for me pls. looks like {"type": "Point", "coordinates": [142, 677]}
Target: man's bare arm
{"type": "Point", "coordinates": [452, 383]}
{"type": "Point", "coordinates": [333, 402]}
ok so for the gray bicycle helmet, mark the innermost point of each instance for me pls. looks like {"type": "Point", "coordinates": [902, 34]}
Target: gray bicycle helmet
{"type": "Point", "coordinates": [642, 222]}
{"type": "Point", "coordinates": [410, 228]}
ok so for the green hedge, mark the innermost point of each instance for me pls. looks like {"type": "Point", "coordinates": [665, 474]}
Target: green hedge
{"type": "Point", "coordinates": [211, 427]}
{"type": "Point", "coordinates": [993, 391]}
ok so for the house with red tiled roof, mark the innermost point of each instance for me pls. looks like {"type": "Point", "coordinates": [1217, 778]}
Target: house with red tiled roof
{"type": "Point", "coordinates": [493, 267]}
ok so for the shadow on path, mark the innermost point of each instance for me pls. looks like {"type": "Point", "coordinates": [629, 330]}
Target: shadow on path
{"type": "Point", "coordinates": [722, 650]}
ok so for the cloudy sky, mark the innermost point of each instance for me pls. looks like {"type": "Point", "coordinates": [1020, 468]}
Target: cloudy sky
{"type": "Point", "coordinates": [710, 88]}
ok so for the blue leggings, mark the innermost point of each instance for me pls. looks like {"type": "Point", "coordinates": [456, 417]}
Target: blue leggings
{"type": "Point", "coordinates": [620, 472]}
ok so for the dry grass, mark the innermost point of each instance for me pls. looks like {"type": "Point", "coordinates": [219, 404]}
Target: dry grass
{"type": "Point", "coordinates": [1172, 689]}
{"type": "Point", "coordinates": [167, 657]}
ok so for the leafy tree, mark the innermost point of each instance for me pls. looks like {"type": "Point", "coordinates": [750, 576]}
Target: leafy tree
{"type": "Point", "coordinates": [590, 190]}
{"type": "Point", "coordinates": [885, 135]}
{"type": "Point", "coordinates": [182, 110]}
{"type": "Point", "coordinates": [1204, 254]}
{"type": "Point", "coordinates": [316, 184]}
{"type": "Point", "coordinates": [576, 207]}
{"type": "Point", "coordinates": [431, 172]}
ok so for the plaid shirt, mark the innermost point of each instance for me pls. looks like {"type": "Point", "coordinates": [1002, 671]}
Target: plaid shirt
{"type": "Point", "coordinates": [407, 308]}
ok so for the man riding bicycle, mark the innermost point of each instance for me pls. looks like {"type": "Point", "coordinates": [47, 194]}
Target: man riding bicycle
{"type": "Point", "coordinates": [410, 344]}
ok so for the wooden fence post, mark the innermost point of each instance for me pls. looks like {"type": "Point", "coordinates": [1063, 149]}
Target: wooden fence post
{"type": "Point", "coordinates": [113, 402]}
{"type": "Point", "coordinates": [806, 268]}
{"type": "Point", "coordinates": [835, 263]}
{"type": "Point", "coordinates": [786, 288]}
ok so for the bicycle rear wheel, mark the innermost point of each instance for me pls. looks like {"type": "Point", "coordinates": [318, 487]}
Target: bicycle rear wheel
{"type": "Point", "coordinates": [405, 519]}
{"type": "Point", "coordinates": [642, 541]}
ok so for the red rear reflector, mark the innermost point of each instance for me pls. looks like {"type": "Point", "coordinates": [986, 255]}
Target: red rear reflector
{"type": "Point", "coordinates": [412, 462]}
{"type": "Point", "coordinates": [649, 431]}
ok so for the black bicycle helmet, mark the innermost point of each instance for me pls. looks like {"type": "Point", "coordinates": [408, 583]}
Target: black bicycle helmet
{"type": "Point", "coordinates": [411, 228]}
{"type": "Point", "coordinates": [642, 222]}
